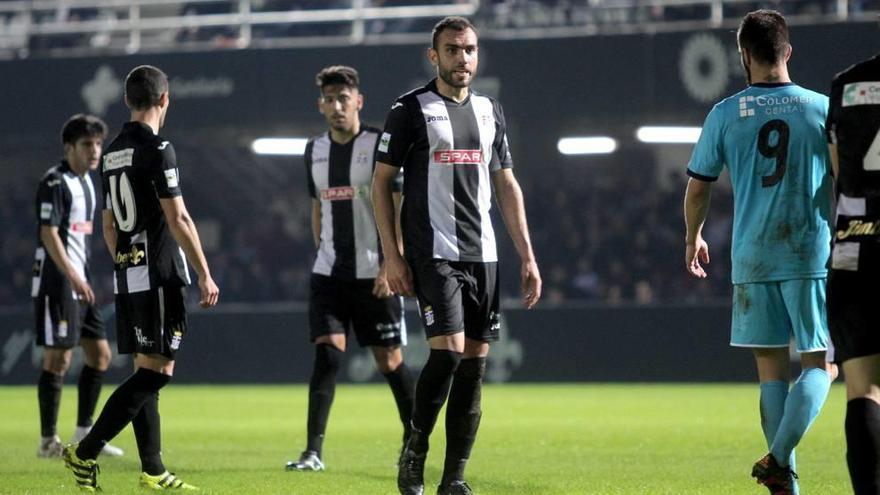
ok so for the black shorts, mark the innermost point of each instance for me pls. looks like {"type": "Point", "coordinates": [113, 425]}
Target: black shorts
{"type": "Point", "coordinates": [338, 305]}
{"type": "Point", "coordinates": [854, 326]}
{"type": "Point", "coordinates": [457, 295]}
{"type": "Point", "coordinates": [151, 322]}
{"type": "Point", "coordinates": [61, 321]}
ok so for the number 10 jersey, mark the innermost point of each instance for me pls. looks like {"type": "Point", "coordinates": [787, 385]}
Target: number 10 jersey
{"type": "Point", "coordinates": [771, 138]}
{"type": "Point", "coordinates": [137, 169]}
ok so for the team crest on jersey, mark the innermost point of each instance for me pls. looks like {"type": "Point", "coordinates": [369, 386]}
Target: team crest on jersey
{"type": "Point", "coordinates": [363, 158]}
{"type": "Point", "coordinates": [485, 120]}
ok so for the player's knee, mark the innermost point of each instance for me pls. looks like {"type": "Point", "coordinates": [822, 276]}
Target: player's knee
{"type": "Point", "coordinates": [98, 355]}
{"type": "Point", "coordinates": [328, 358]}
{"type": "Point", "coordinates": [388, 360]}
{"type": "Point", "coordinates": [57, 361]}
{"type": "Point", "coordinates": [815, 360]}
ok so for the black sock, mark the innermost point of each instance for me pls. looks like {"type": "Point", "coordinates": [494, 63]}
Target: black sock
{"type": "Point", "coordinates": [49, 396]}
{"type": "Point", "coordinates": [322, 387]}
{"type": "Point", "coordinates": [148, 433]}
{"type": "Point", "coordinates": [89, 386]}
{"type": "Point", "coordinates": [403, 387]}
{"type": "Point", "coordinates": [123, 405]}
{"type": "Point", "coordinates": [863, 445]}
{"type": "Point", "coordinates": [431, 391]}
{"type": "Point", "coordinates": [463, 416]}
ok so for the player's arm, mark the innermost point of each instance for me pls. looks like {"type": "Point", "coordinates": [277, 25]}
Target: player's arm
{"type": "Point", "coordinates": [316, 222]}
{"type": "Point", "coordinates": [510, 202]}
{"type": "Point", "coordinates": [184, 231]}
{"type": "Point", "coordinates": [696, 209]}
{"type": "Point", "coordinates": [381, 288]}
{"type": "Point", "coordinates": [108, 228]}
{"type": "Point", "coordinates": [55, 249]}
{"type": "Point", "coordinates": [835, 159]}
{"type": "Point", "coordinates": [396, 271]}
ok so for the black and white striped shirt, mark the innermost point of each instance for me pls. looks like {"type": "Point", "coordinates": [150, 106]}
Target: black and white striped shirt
{"type": "Point", "coordinates": [854, 126]}
{"type": "Point", "coordinates": [448, 151]}
{"type": "Point", "coordinates": [340, 176]}
{"type": "Point", "coordinates": [137, 169]}
{"type": "Point", "coordinates": [67, 201]}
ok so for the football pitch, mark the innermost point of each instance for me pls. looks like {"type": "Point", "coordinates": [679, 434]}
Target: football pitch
{"type": "Point", "coordinates": [534, 439]}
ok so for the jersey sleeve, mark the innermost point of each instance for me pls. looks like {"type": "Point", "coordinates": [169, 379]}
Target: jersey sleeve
{"type": "Point", "coordinates": [833, 110]}
{"type": "Point", "coordinates": [396, 139]}
{"type": "Point", "coordinates": [707, 160]}
{"type": "Point", "coordinates": [501, 157]}
{"type": "Point", "coordinates": [50, 198]}
{"type": "Point", "coordinates": [307, 161]}
{"type": "Point", "coordinates": [165, 173]}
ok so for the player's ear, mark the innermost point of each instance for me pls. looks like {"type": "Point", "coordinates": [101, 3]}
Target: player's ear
{"type": "Point", "coordinates": [163, 100]}
{"type": "Point", "coordinates": [788, 51]}
{"type": "Point", "coordinates": [360, 101]}
{"type": "Point", "coordinates": [432, 56]}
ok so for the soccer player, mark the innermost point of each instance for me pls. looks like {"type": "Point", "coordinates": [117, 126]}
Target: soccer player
{"type": "Point", "coordinates": [853, 126]}
{"type": "Point", "coordinates": [64, 303]}
{"type": "Point", "coordinates": [452, 145]}
{"type": "Point", "coordinates": [150, 235]}
{"type": "Point", "coordinates": [771, 138]}
{"type": "Point", "coordinates": [348, 287]}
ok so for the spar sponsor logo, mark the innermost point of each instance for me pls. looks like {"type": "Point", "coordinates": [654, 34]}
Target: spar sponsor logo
{"type": "Point", "coordinates": [344, 193]}
{"type": "Point", "coordinates": [449, 157]}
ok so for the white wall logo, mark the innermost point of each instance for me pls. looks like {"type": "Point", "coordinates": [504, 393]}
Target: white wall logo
{"type": "Point", "coordinates": [102, 90]}
{"type": "Point", "coordinates": [861, 93]}
{"type": "Point", "coordinates": [704, 67]}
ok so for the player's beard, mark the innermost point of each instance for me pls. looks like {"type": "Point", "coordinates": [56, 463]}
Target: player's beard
{"type": "Point", "coordinates": [449, 78]}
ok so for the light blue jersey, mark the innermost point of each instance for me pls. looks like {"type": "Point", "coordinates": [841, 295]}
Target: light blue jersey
{"type": "Point", "coordinates": [772, 139]}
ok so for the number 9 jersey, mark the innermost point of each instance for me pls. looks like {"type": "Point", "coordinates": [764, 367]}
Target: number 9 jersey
{"type": "Point", "coordinates": [771, 137]}
{"type": "Point", "coordinates": [137, 169]}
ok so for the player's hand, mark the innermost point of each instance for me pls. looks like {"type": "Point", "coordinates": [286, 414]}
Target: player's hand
{"type": "Point", "coordinates": [398, 275]}
{"type": "Point", "coordinates": [381, 289]}
{"type": "Point", "coordinates": [697, 252]}
{"type": "Point", "coordinates": [210, 293]}
{"type": "Point", "coordinates": [531, 283]}
{"type": "Point", "coordinates": [83, 289]}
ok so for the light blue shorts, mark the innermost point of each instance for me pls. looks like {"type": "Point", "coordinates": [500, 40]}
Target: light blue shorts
{"type": "Point", "coordinates": [768, 314]}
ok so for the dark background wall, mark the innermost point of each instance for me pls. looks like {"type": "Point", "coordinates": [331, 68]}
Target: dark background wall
{"type": "Point", "coordinates": [604, 227]}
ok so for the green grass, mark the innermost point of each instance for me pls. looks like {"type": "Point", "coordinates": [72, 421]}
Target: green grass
{"type": "Point", "coordinates": [535, 439]}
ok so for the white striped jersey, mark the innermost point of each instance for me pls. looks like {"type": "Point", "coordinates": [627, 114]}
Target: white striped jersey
{"type": "Point", "coordinates": [67, 201]}
{"type": "Point", "coordinates": [448, 151]}
{"type": "Point", "coordinates": [137, 169]}
{"type": "Point", "coordinates": [854, 126]}
{"type": "Point", "coordinates": [340, 177]}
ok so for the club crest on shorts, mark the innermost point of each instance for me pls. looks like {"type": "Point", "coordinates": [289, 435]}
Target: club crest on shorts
{"type": "Point", "coordinates": [428, 313]}
{"type": "Point", "coordinates": [176, 337]}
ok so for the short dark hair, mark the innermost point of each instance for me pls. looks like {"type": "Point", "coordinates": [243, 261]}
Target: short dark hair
{"type": "Point", "coordinates": [453, 22]}
{"type": "Point", "coordinates": [80, 126]}
{"type": "Point", "coordinates": [144, 86]}
{"type": "Point", "coordinates": [338, 74]}
{"type": "Point", "coordinates": [764, 35]}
